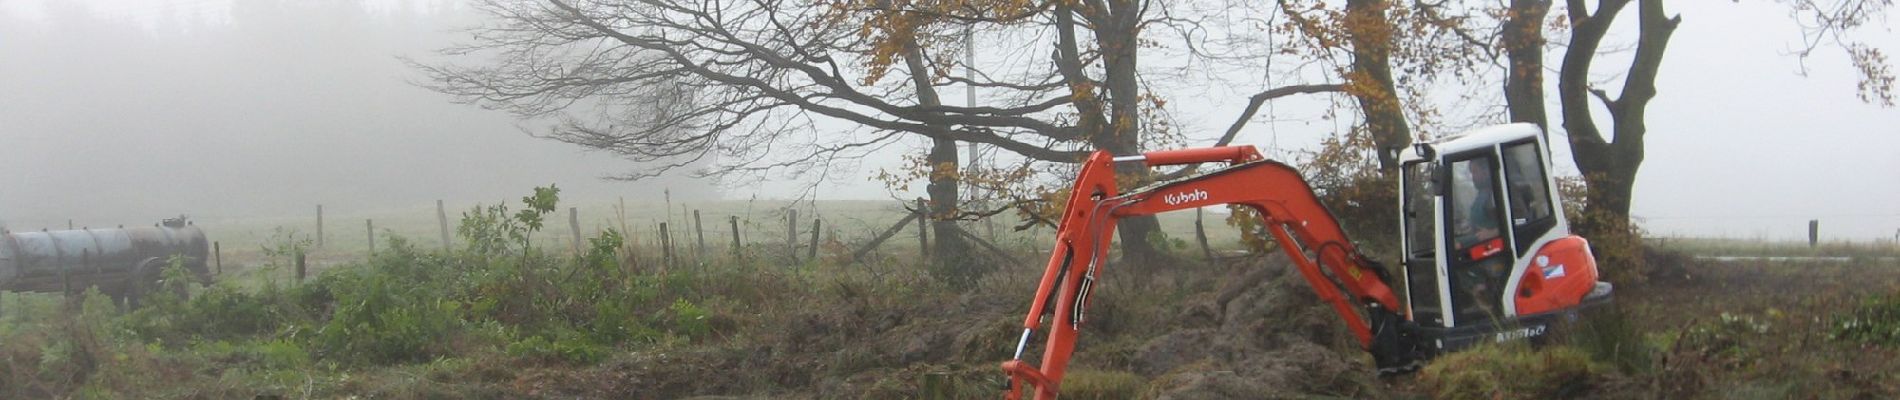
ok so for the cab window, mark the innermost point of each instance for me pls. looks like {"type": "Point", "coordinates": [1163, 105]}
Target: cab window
{"type": "Point", "coordinates": [1479, 264]}
{"type": "Point", "coordinates": [1420, 226]}
{"type": "Point", "coordinates": [1530, 207]}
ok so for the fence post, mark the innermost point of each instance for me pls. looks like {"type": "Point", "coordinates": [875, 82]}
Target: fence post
{"type": "Point", "coordinates": [812, 253]}
{"type": "Point", "coordinates": [319, 225]}
{"type": "Point", "coordinates": [370, 225]}
{"type": "Point", "coordinates": [735, 235]}
{"type": "Point", "coordinates": [217, 253]}
{"type": "Point", "coordinates": [923, 229]}
{"type": "Point", "coordinates": [442, 218]}
{"type": "Point", "coordinates": [1200, 235]}
{"type": "Point", "coordinates": [574, 225]}
{"type": "Point", "coordinates": [666, 246]}
{"type": "Point", "coordinates": [300, 264]}
{"type": "Point", "coordinates": [1814, 232]}
{"type": "Point", "coordinates": [699, 231]}
{"type": "Point", "coordinates": [791, 234]}
{"type": "Point", "coordinates": [86, 258]}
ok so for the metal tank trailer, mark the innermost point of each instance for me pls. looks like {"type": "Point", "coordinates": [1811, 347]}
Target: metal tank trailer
{"type": "Point", "coordinates": [123, 262]}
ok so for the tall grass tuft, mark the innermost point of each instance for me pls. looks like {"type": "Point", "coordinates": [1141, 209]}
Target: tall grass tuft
{"type": "Point", "coordinates": [1511, 372]}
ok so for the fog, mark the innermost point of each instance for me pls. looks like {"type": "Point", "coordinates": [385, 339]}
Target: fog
{"type": "Point", "coordinates": [128, 110]}
{"type": "Point", "coordinates": [123, 112]}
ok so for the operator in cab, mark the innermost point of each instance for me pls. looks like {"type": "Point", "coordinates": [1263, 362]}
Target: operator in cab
{"type": "Point", "coordinates": [1480, 222]}
{"type": "Point", "coordinates": [1481, 282]}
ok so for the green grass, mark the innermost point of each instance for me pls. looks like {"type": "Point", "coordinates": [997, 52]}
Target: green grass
{"type": "Point", "coordinates": [1767, 248]}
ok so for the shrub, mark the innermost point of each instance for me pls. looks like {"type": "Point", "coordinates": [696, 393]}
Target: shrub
{"type": "Point", "coordinates": [1728, 342]}
{"type": "Point", "coordinates": [382, 320]}
{"type": "Point", "coordinates": [561, 346]}
{"type": "Point", "coordinates": [221, 312]}
{"type": "Point", "coordinates": [689, 320]}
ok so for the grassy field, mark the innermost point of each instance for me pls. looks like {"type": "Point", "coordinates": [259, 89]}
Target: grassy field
{"type": "Point", "coordinates": [531, 319]}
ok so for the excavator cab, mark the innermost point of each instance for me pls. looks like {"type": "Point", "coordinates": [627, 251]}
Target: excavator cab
{"type": "Point", "coordinates": [1488, 254]}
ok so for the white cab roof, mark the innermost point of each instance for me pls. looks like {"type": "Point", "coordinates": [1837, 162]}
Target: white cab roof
{"type": "Point", "coordinates": [1478, 138]}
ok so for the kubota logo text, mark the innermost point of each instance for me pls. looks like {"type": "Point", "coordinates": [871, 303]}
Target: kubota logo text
{"type": "Point", "coordinates": [1183, 197]}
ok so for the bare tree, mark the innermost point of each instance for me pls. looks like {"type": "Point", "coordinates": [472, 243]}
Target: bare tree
{"type": "Point", "coordinates": [784, 86]}
{"type": "Point", "coordinates": [1609, 164]}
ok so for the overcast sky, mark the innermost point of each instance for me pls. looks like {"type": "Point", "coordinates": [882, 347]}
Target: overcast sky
{"type": "Point", "coordinates": [119, 108]}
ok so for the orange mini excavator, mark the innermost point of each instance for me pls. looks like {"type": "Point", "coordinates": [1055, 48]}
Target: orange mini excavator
{"type": "Point", "coordinates": [1487, 254]}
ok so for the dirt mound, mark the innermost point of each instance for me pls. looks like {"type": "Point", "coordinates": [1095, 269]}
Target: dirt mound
{"type": "Point", "coordinates": [1265, 335]}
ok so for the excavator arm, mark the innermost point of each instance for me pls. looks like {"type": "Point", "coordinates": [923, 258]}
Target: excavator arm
{"type": "Point", "coordinates": [1291, 212]}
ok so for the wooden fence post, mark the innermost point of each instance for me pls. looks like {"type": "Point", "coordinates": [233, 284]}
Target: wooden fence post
{"type": "Point", "coordinates": [319, 225]}
{"type": "Point", "coordinates": [812, 253]}
{"type": "Point", "coordinates": [735, 235]}
{"type": "Point", "coordinates": [666, 246]}
{"type": "Point", "coordinates": [923, 229]}
{"type": "Point", "coordinates": [1814, 232]}
{"type": "Point", "coordinates": [65, 275]}
{"type": "Point", "coordinates": [299, 254]}
{"type": "Point", "coordinates": [217, 253]}
{"type": "Point", "coordinates": [370, 225]}
{"type": "Point", "coordinates": [699, 231]}
{"type": "Point", "coordinates": [442, 218]}
{"type": "Point", "coordinates": [791, 234]}
{"type": "Point", "coordinates": [574, 225]}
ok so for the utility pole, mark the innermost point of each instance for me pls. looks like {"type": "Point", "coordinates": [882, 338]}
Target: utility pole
{"type": "Point", "coordinates": [969, 99]}
{"type": "Point", "coordinates": [969, 73]}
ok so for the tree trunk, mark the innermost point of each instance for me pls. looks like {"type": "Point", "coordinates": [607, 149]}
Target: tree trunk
{"type": "Point", "coordinates": [951, 250]}
{"type": "Point", "coordinates": [1117, 40]}
{"type": "Point", "coordinates": [950, 261]}
{"type": "Point", "coordinates": [1370, 81]}
{"type": "Point", "coordinates": [1523, 40]}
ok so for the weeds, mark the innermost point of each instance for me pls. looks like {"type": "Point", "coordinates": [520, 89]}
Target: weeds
{"type": "Point", "coordinates": [1875, 322]}
{"type": "Point", "coordinates": [1609, 336]}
